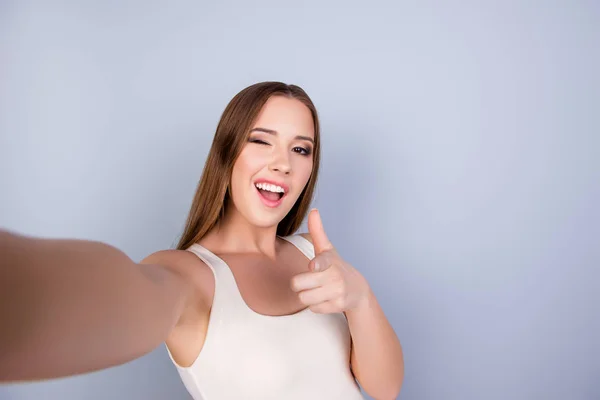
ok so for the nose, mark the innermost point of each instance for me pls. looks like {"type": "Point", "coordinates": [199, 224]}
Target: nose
{"type": "Point", "coordinates": [280, 162]}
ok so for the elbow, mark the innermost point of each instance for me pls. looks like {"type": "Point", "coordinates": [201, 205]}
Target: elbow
{"type": "Point", "coordinates": [389, 393]}
{"type": "Point", "coordinates": [385, 394]}
{"type": "Point", "coordinates": [395, 390]}
{"type": "Point", "coordinates": [389, 390]}
{"type": "Point", "coordinates": [396, 385]}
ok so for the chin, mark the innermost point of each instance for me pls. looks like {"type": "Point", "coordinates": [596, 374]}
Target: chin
{"type": "Point", "coordinates": [264, 223]}
{"type": "Point", "coordinates": [262, 219]}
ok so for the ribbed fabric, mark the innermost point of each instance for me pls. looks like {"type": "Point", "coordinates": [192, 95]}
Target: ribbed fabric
{"type": "Point", "coordinates": [246, 355]}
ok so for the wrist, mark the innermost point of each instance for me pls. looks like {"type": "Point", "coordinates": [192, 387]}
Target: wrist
{"type": "Point", "coordinates": [364, 303]}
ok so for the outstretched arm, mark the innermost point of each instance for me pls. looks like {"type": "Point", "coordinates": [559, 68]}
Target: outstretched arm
{"type": "Point", "coordinates": [74, 306]}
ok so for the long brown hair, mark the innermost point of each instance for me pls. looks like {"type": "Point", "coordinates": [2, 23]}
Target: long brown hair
{"type": "Point", "coordinates": [208, 206]}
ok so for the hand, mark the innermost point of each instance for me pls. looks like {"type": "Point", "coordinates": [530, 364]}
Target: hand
{"type": "Point", "coordinates": [331, 285]}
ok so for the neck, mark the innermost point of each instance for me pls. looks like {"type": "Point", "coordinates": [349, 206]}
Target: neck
{"type": "Point", "coordinates": [234, 234]}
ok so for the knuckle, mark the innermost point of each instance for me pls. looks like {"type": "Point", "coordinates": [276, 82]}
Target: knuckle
{"type": "Point", "coordinates": [336, 273]}
{"type": "Point", "coordinates": [295, 284]}
{"type": "Point", "coordinates": [316, 309]}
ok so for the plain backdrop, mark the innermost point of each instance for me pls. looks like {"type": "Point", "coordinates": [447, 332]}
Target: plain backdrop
{"type": "Point", "coordinates": [460, 169]}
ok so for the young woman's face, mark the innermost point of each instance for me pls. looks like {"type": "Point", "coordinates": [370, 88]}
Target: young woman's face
{"type": "Point", "coordinates": [276, 162]}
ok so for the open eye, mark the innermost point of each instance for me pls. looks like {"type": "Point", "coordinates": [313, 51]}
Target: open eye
{"type": "Point", "coordinates": [302, 150]}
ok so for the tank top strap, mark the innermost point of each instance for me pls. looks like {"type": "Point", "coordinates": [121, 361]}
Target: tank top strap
{"type": "Point", "coordinates": [302, 244]}
{"type": "Point", "coordinates": [227, 295]}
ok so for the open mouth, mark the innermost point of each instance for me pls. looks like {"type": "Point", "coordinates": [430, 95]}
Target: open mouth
{"type": "Point", "coordinates": [270, 194]}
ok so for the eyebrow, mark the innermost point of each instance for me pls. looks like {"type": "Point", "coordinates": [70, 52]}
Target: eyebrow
{"type": "Point", "coordinates": [273, 132]}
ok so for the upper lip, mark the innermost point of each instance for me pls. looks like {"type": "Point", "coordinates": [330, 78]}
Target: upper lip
{"type": "Point", "coordinates": [270, 182]}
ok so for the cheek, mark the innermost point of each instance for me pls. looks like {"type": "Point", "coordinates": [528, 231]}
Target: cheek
{"type": "Point", "coordinates": [247, 164]}
{"type": "Point", "coordinates": [303, 170]}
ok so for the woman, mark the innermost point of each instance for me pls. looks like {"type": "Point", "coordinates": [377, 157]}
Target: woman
{"type": "Point", "coordinates": [247, 308]}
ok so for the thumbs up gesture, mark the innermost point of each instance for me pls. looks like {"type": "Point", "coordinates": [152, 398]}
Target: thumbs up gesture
{"type": "Point", "coordinates": [330, 285]}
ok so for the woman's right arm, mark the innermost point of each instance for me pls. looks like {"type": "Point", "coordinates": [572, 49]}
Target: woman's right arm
{"type": "Point", "coordinates": [74, 306]}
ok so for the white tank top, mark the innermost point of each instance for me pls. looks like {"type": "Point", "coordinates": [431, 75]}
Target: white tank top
{"type": "Point", "coordinates": [252, 356]}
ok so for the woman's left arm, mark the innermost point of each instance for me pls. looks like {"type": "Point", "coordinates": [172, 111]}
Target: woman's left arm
{"type": "Point", "coordinates": [333, 286]}
{"type": "Point", "coordinates": [376, 359]}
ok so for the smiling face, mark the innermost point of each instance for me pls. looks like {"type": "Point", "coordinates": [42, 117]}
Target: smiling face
{"type": "Point", "coordinates": [275, 164]}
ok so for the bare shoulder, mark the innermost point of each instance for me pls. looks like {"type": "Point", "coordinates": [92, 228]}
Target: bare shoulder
{"type": "Point", "coordinates": [195, 273]}
{"type": "Point", "coordinates": [306, 236]}
{"type": "Point", "coordinates": [183, 262]}
{"type": "Point", "coordinates": [176, 259]}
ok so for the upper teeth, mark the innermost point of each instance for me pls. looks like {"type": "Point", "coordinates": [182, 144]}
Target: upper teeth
{"type": "Point", "coordinates": [270, 188]}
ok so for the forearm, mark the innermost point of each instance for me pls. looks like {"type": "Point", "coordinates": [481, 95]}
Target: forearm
{"type": "Point", "coordinates": [376, 359]}
{"type": "Point", "coordinates": [74, 306]}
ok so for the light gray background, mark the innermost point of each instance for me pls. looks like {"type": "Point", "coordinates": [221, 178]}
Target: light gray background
{"type": "Point", "coordinates": [460, 166]}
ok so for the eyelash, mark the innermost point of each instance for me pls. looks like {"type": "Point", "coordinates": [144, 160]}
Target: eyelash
{"type": "Point", "coordinates": [303, 151]}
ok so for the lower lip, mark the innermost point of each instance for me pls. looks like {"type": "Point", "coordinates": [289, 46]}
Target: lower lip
{"type": "Point", "coordinates": [267, 202]}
